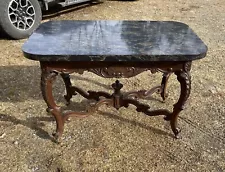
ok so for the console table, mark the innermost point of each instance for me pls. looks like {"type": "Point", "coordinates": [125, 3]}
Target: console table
{"type": "Point", "coordinates": [114, 49]}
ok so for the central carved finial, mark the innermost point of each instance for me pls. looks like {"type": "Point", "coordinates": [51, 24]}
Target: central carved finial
{"type": "Point", "coordinates": [117, 86]}
{"type": "Point", "coordinates": [117, 96]}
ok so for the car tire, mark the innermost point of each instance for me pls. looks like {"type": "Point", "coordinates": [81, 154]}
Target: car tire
{"type": "Point", "coordinates": [19, 18]}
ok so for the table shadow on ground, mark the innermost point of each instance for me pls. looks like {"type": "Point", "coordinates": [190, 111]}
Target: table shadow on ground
{"type": "Point", "coordinates": [34, 123]}
{"type": "Point", "coordinates": [22, 83]}
{"type": "Point", "coordinates": [134, 123]}
{"type": "Point", "coordinates": [37, 123]}
{"type": "Point", "coordinates": [83, 107]}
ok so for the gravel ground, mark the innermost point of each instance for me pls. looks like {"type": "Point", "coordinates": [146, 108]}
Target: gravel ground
{"type": "Point", "coordinates": [123, 140]}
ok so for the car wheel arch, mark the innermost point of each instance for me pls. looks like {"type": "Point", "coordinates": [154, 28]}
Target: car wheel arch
{"type": "Point", "coordinates": [43, 4]}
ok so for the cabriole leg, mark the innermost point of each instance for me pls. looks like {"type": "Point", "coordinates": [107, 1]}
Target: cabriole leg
{"type": "Point", "coordinates": [68, 85]}
{"type": "Point", "coordinates": [164, 82]}
{"type": "Point", "coordinates": [47, 78]}
{"type": "Point", "coordinates": [184, 79]}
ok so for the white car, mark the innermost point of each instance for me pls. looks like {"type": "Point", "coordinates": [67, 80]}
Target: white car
{"type": "Point", "coordinates": [19, 18]}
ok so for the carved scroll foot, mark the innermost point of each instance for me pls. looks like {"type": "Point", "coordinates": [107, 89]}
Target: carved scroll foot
{"type": "Point", "coordinates": [59, 125]}
{"type": "Point", "coordinates": [177, 132]}
{"type": "Point", "coordinates": [164, 82]}
{"type": "Point", "coordinates": [173, 123]}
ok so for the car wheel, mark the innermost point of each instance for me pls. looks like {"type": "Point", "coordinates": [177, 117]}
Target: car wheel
{"type": "Point", "coordinates": [19, 18]}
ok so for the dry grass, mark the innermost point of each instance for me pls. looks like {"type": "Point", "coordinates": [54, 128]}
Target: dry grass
{"type": "Point", "coordinates": [121, 140]}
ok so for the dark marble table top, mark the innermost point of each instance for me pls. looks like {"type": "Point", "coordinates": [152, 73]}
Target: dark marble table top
{"type": "Point", "coordinates": [114, 41]}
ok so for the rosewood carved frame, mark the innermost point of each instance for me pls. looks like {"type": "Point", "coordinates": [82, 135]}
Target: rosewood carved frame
{"type": "Point", "coordinates": [115, 70]}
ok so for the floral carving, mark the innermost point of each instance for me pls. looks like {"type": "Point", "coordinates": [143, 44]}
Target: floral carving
{"type": "Point", "coordinates": [187, 66]}
{"type": "Point", "coordinates": [117, 72]}
{"type": "Point", "coordinates": [120, 72]}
